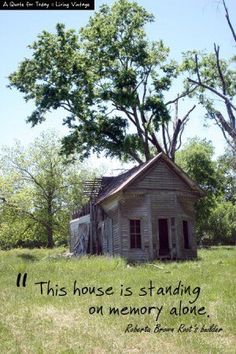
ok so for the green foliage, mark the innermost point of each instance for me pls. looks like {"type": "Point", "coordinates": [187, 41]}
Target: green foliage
{"type": "Point", "coordinates": [39, 192]}
{"type": "Point", "coordinates": [221, 226]}
{"type": "Point", "coordinates": [213, 85]}
{"type": "Point", "coordinates": [196, 160]}
{"type": "Point", "coordinates": [208, 71]}
{"type": "Point", "coordinates": [227, 171]}
{"type": "Point", "coordinates": [216, 211]}
{"type": "Point", "coordinates": [108, 78]}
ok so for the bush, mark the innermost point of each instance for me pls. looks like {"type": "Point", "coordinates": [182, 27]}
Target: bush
{"type": "Point", "coordinates": [221, 225]}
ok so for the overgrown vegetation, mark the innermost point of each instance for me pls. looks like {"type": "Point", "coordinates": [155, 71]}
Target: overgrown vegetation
{"type": "Point", "coordinates": [216, 212]}
{"type": "Point", "coordinates": [65, 325]}
{"type": "Point", "coordinates": [38, 191]}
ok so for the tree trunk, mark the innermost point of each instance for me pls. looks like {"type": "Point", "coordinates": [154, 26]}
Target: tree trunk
{"type": "Point", "coordinates": [49, 227]}
{"type": "Point", "coordinates": [50, 242]}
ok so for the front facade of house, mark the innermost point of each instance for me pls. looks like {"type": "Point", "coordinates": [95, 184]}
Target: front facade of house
{"type": "Point", "coordinates": [145, 214]}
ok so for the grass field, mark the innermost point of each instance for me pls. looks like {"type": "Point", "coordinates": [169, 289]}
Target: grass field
{"type": "Point", "coordinates": [31, 322]}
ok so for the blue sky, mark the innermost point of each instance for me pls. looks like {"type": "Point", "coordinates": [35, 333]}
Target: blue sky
{"type": "Point", "coordinates": [182, 25]}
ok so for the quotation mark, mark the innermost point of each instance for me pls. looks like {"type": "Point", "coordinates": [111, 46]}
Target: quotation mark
{"type": "Point", "coordinates": [19, 279]}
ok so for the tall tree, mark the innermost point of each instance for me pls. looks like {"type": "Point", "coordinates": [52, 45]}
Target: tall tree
{"type": "Point", "coordinates": [216, 212]}
{"type": "Point", "coordinates": [110, 79]}
{"type": "Point", "coordinates": [38, 191]}
{"type": "Point", "coordinates": [196, 159]}
{"type": "Point", "coordinates": [226, 165]}
{"type": "Point", "coordinates": [213, 81]}
{"type": "Point", "coordinates": [172, 130]}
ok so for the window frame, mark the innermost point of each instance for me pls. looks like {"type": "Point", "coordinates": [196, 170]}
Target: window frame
{"type": "Point", "coordinates": [135, 235]}
{"type": "Point", "coordinates": [186, 234]}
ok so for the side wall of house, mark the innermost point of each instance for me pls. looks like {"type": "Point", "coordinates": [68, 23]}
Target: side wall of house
{"type": "Point", "coordinates": [79, 234]}
{"type": "Point", "coordinates": [112, 245]}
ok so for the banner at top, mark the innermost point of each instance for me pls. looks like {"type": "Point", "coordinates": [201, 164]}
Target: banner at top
{"type": "Point", "coordinates": [47, 5]}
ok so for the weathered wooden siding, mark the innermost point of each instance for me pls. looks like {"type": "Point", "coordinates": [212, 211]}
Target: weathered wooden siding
{"type": "Point", "coordinates": [158, 194]}
{"type": "Point", "coordinates": [116, 234]}
{"type": "Point", "coordinates": [161, 177]}
{"type": "Point", "coordinates": [186, 207]}
{"type": "Point", "coordinates": [167, 205]}
{"type": "Point", "coordinates": [75, 231]}
{"type": "Point", "coordinates": [108, 236]}
{"type": "Point", "coordinates": [105, 230]}
{"type": "Point", "coordinates": [149, 206]}
{"type": "Point", "coordinates": [192, 251]}
{"type": "Point", "coordinates": [135, 207]}
{"type": "Point", "coordinates": [163, 205]}
{"type": "Point", "coordinates": [110, 208]}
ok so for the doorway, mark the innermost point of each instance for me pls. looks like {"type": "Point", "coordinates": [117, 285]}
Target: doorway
{"type": "Point", "coordinates": [163, 237]}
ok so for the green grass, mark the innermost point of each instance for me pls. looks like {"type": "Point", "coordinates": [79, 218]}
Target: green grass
{"type": "Point", "coordinates": [35, 323]}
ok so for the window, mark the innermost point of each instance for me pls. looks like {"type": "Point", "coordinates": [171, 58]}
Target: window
{"type": "Point", "coordinates": [135, 233]}
{"type": "Point", "coordinates": [163, 231]}
{"type": "Point", "coordinates": [186, 235]}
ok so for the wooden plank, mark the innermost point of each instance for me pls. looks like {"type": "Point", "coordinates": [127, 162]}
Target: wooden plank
{"type": "Point", "coordinates": [161, 176]}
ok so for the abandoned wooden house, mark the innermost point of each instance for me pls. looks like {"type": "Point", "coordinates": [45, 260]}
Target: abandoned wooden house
{"type": "Point", "coordinates": [143, 214]}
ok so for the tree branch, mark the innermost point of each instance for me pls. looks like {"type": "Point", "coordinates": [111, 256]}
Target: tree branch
{"type": "Point", "coordinates": [164, 138]}
{"type": "Point", "coordinates": [184, 122]}
{"type": "Point", "coordinates": [223, 131]}
{"type": "Point", "coordinates": [144, 131]}
{"type": "Point", "coordinates": [21, 211]}
{"type": "Point", "coordinates": [197, 70]}
{"type": "Point", "coordinates": [225, 125]}
{"type": "Point", "coordinates": [212, 90]}
{"type": "Point", "coordinates": [228, 106]}
{"type": "Point", "coordinates": [188, 113]}
{"type": "Point", "coordinates": [229, 22]}
{"type": "Point", "coordinates": [184, 94]}
{"type": "Point", "coordinates": [217, 51]}
{"type": "Point", "coordinates": [32, 178]}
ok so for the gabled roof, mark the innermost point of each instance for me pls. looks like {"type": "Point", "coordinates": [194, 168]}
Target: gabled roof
{"type": "Point", "coordinates": [118, 183]}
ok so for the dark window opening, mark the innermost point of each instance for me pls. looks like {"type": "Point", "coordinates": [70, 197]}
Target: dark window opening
{"type": "Point", "coordinates": [135, 233]}
{"type": "Point", "coordinates": [186, 235]}
{"type": "Point", "coordinates": [163, 237]}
